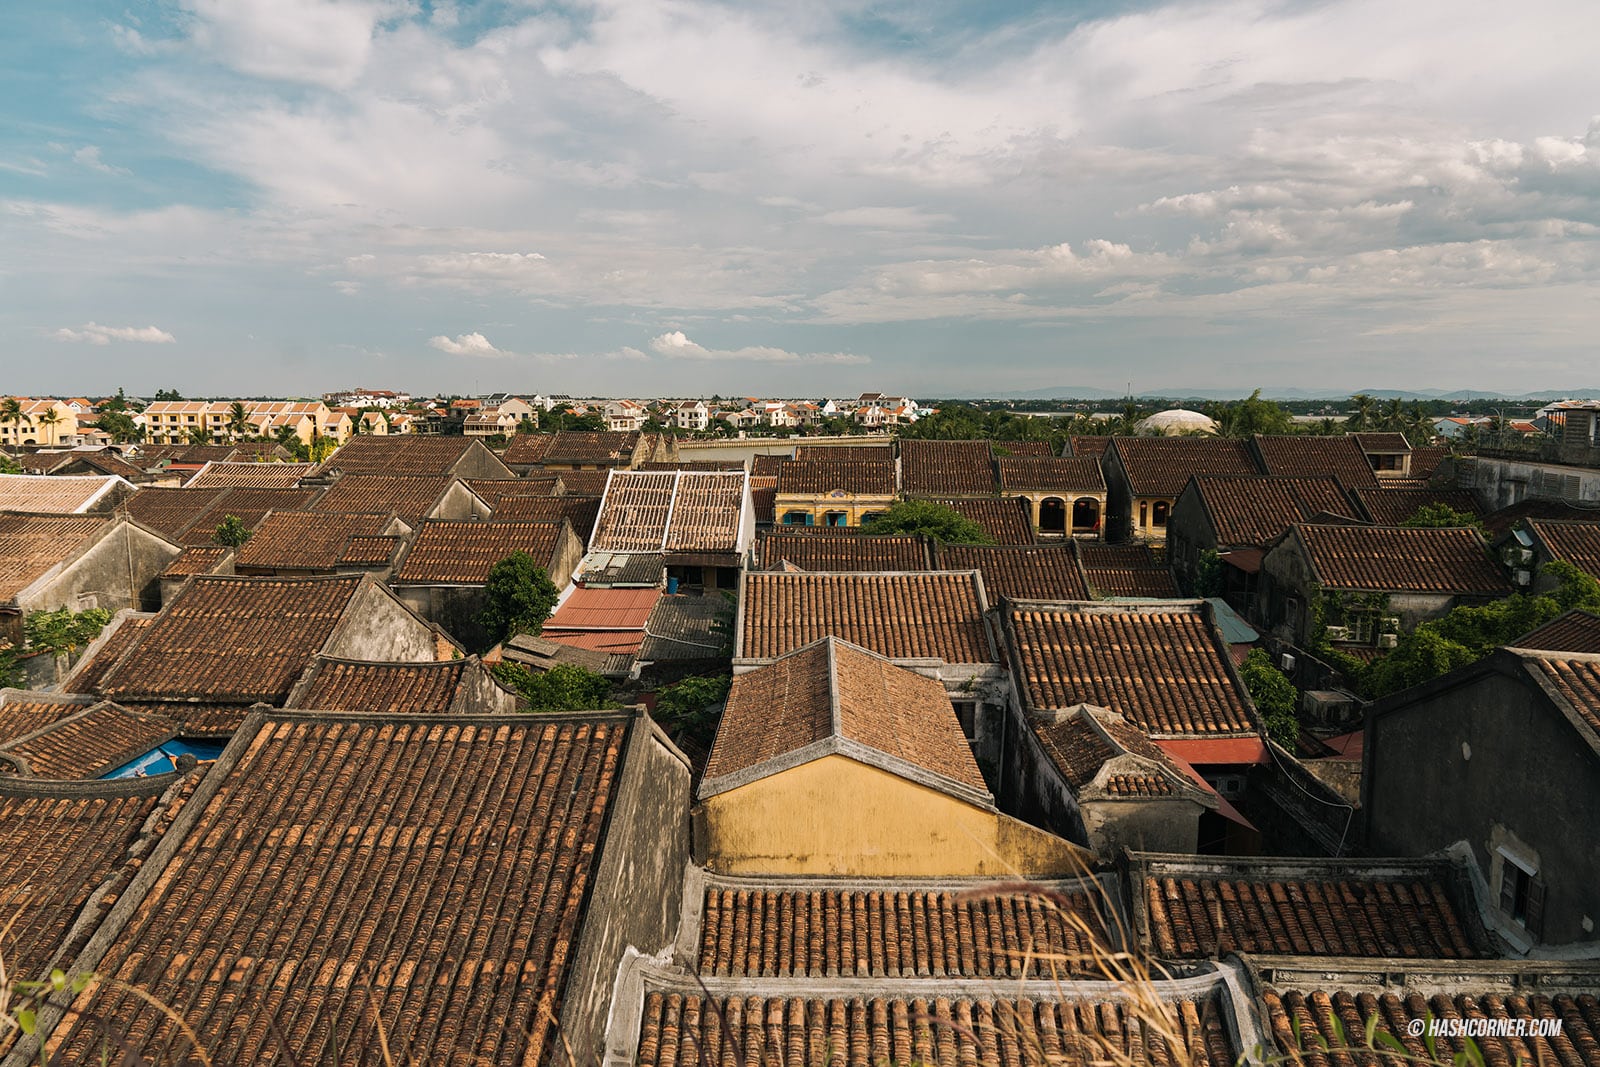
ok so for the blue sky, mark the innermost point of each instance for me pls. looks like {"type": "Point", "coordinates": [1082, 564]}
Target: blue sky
{"type": "Point", "coordinates": [285, 196]}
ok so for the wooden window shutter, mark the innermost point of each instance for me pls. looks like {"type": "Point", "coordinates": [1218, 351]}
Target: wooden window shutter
{"type": "Point", "coordinates": [1534, 923]}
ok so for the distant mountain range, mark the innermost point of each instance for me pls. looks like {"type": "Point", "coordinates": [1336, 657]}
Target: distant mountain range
{"type": "Point", "coordinates": [1068, 392]}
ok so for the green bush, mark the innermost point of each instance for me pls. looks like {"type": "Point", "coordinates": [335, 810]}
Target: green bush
{"type": "Point", "coordinates": [564, 687]}
{"type": "Point", "coordinates": [684, 708]}
{"type": "Point", "coordinates": [1274, 695]}
{"type": "Point", "coordinates": [520, 597]}
{"type": "Point", "coordinates": [925, 518]}
{"type": "Point", "coordinates": [64, 631]}
{"type": "Point", "coordinates": [231, 532]}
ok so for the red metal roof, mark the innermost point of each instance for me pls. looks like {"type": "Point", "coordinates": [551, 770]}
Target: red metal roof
{"type": "Point", "coordinates": [626, 642]}
{"type": "Point", "coordinates": [604, 609]}
{"type": "Point", "coordinates": [1211, 751]}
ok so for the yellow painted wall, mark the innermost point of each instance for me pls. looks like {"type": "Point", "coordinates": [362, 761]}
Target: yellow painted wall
{"type": "Point", "coordinates": [1148, 530]}
{"type": "Point", "coordinates": [836, 816]}
{"type": "Point", "coordinates": [853, 506]}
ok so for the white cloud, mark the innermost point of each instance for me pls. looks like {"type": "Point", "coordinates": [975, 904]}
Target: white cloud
{"type": "Point", "coordinates": [675, 345]}
{"type": "Point", "coordinates": [89, 156]}
{"type": "Point", "coordinates": [317, 42]}
{"type": "Point", "coordinates": [95, 334]}
{"type": "Point", "coordinates": [467, 344]}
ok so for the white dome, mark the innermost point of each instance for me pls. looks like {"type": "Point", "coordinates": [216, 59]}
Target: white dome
{"type": "Point", "coordinates": [1174, 422]}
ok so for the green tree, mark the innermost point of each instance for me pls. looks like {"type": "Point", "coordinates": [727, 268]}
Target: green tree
{"type": "Point", "coordinates": [10, 668]}
{"type": "Point", "coordinates": [564, 687]}
{"type": "Point", "coordinates": [239, 420]}
{"type": "Point", "coordinates": [231, 532]}
{"type": "Point", "coordinates": [64, 631]}
{"type": "Point", "coordinates": [929, 519]}
{"type": "Point", "coordinates": [1208, 580]}
{"type": "Point", "coordinates": [11, 411]}
{"type": "Point", "coordinates": [168, 394]}
{"type": "Point", "coordinates": [199, 435]}
{"type": "Point", "coordinates": [686, 707]}
{"type": "Point", "coordinates": [1364, 415]}
{"type": "Point", "coordinates": [290, 440]}
{"type": "Point", "coordinates": [1439, 514]}
{"type": "Point", "coordinates": [1252, 415]}
{"type": "Point", "coordinates": [519, 597]}
{"type": "Point", "coordinates": [50, 420]}
{"type": "Point", "coordinates": [1274, 696]}
{"type": "Point", "coordinates": [121, 427]}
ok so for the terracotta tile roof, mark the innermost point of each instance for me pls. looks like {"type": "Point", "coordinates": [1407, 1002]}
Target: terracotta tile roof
{"type": "Point", "coordinates": [1499, 522]}
{"type": "Point", "coordinates": [107, 462]}
{"type": "Point", "coordinates": [946, 468]}
{"type": "Point", "coordinates": [525, 449]}
{"type": "Point", "coordinates": [310, 541]}
{"type": "Point", "coordinates": [1302, 1024]}
{"type": "Point", "coordinates": [767, 466]}
{"type": "Point", "coordinates": [44, 462]}
{"type": "Point", "coordinates": [585, 483]}
{"type": "Point", "coordinates": [63, 851]}
{"type": "Point", "coordinates": [249, 505]}
{"type": "Point", "coordinates": [1381, 443]}
{"type": "Point", "coordinates": [1256, 510]}
{"type": "Point", "coordinates": [1314, 455]}
{"type": "Point", "coordinates": [692, 1028]}
{"type": "Point", "coordinates": [1094, 445]}
{"type": "Point", "coordinates": [934, 615]}
{"type": "Point", "coordinates": [385, 688]}
{"type": "Point", "coordinates": [1167, 670]}
{"type": "Point", "coordinates": [169, 511]}
{"type": "Point", "coordinates": [857, 477]}
{"type": "Point", "coordinates": [1020, 572]}
{"type": "Point", "coordinates": [1577, 543]}
{"type": "Point", "coordinates": [398, 454]}
{"type": "Point", "coordinates": [372, 550]}
{"type": "Point", "coordinates": [1081, 742]}
{"type": "Point", "coordinates": [1193, 915]}
{"type": "Point", "coordinates": [1021, 448]}
{"type": "Point", "coordinates": [1392, 507]}
{"type": "Point", "coordinates": [118, 636]}
{"type": "Point", "coordinates": [1576, 631]}
{"type": "Point", "coordinates": [403, 793]}
{"type": "Point", "coordinates": [197, 559]}
{"type": "Point", "coordinates": [31, 544]}
{"type": "Point", "coordinates": [51, 494]}
{"type": "Point", "coordinates": [832, 689]}
{"type": "Point", "coordinates": [1577, 679]}
{"type": "Point", "coordinates": [90, 742]}
{"type": "Point", "coordinates": [580, 511]}
{"type": "Point", "coordinates": [464, 552]}
{"type": "Point", "coordinates": [23, 712]}
{"type": "Point", "coordinates": [863, 552]}
{"type": "Point", "coordinates": [1125, 570]}
{"type": "Point", "coordinates": [252, 475]}
{"type": "Point", "coordinates": [604, 448]}
{"type": "Point", "coordinates": [873, 453]}
{"type": "Point", "coordinates": [764, 500]}
{"type": "Point", "coordinates": [693, 465]}
{"type": "Point", "coordinates": [235, 639]}
{"type": "Point", "coordinates": [1046, 475]}
{"type": "Point", "coordinates": [495, 492]}
{"type": "Point", "coordinates": [1424, 461]}
{"type": "Point", "coordinates": [1162, 466]}
{"type": "Point", "coordinates": [1396, 559]}
{"type": "Point", "coordinates": [1008, 520]}
{"type": "Point", "coordinates": [197, 718]}
{"type": "Point", "coordinates": [893, 931]}
{"type": "Point", "coordinates": [408, 495]}
{"type": "Point", "coordinates": [680, 511]}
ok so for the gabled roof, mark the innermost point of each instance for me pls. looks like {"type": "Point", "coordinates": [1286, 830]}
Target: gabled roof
{"type": "Point", "coordinates": [1102, 756]}
{"type": "Point", "coordinates": [1165, 668]}
{"type": "Point", "coordinates": [89, 742]}
{"type": "Point", "coordinates": [1425, 460]}
{"type": "Point", "coordinates": [585, 483]}
{"type": "Point", "coordinates": [464, 552]}
{"type": "Point", "coordinates": [580, 511]}
{"type": "Point", "coordinates": [1162, 466]}
{"type": "Point", "coordinates": [237, 640]}
{"type": "Point", "coordinates": [678, 511]}
{"type": "Point", "coordinates": [57, 494]}
{"type": "Point", "coordinates": [1187, 907]}
{"type": "Point", "coordinates": [197, 559]}
{"type": "Point", "coordinates": [169, 511]}
{"type": "Point", "coordinates": [1314, 455]}
{"type": "Point", "coordinates": [1091, 445]}
{"type": "Point", "coordinates": [1392, 507]}
{"type": "Point", "coordinates": [1040, 449]}
{"type": "Point", "coordinates": [1575, 631]}
{"type": "Point", "coordinates": [315, 541]}
{"type": "Point", "coordinates": [30, 545]}
{"type": "Point", "coordinates": [1125, 571]}
{"type": "Point", "coordinates": [67, 853]}
{"type": "Point", "coordinates": [687, 628]}
{"type": "Point", "coordinates": [765, 466]}
{"type": "Point", "coordinates": [1020, 572]}
{"type": "Point", "coordinates": [399, 454]}
{"type": "Point", "coordinates": [1577, 543]}
{"type": "Point", "coordinates": [495, 491]}
{"type": "Point", "coordinates": [411, 496]}
{"type": "Point", "coordinates": [1007, 519]}
{"type": "Point", "coordinates": [826, 474]}
{"type": "Point", "coordinates": [1254, 511]}
{"type": "Point", "coordinates": [528, 448]}
{"type": "Point", "coordinates": [1400, 559]}
{"type": "Point", "coordinates": [343, 817]}
{"type": "Point", "coordinates": [944, 468]}
{"type": "Point", "coordinates": [835, 698]}
{"type": "Point", "coordinates": [1380, 444]}
{"type": "Point", "coordinates": [1575, 677]}
{"type": "Point", "coordinates": [118, 636]}
{"type": "Point", "coordinates": [1071, 474]}
{"type": "Point", "coordinates": [873, 453]}
{"type": "Point", "coordinates": [251, 474]}
{"type": "Point", "coordinates": [607, 448]}
{"type": "Point", "coordinates": [931, 615]}
{"type": "Point", "coordinates": [862, 552]}
{"type": "Point", "coordinates": [249, 505]}
{"type": "Point", "coordinates": [387, 688]}
{"type": "Point", "coordinates": [26, 711]}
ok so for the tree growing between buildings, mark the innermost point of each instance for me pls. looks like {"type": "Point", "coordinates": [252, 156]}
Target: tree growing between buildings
{"type": "Point", "coordinates": [519, 597]}
{"type": "Point", "coordinates": [64, 631]}
{"type": "Point", "coordinates": [231, 532]}
{"type": "Point", "coordinates": [1274, 695]}
{"type": "Point", "coordinates": [926, 518]}
{"type": "Point", "coordinates": [564, 687]}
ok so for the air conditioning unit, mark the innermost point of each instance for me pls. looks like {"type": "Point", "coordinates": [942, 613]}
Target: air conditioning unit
{"type": "Point", "coordinates": [1521, 555]}
{"type": "Point", "coordinates": [1523, 577]}
{"type": "Point", "coordinates": [1388, 640]}
{"type": "Point", "coordinates": [1390, 624]}
{"type": "Point", "coordinates": [1286, 662]}
{"type": "Point", "coordinates": [1338, 633]}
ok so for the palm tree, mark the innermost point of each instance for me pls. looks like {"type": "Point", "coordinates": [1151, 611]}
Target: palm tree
{"type": "Point", "coordinates": [11, 411]}
{"type": "Point", "coordinates": [49, 420]}
{"type": "Point", "coordinates": [199, 435]}
{"type": "Point", "coordinates": [239, 421]}
{"type": "Point", "coordinates": [1365, 408]}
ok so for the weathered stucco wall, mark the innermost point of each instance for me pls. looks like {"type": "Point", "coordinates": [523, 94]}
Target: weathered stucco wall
{"type": "Point", "coordinates": [121, 570]}
{"type": "Point", "coordinates": [836, 816]}
{"type": "Point", "coordinates": [377, 627]}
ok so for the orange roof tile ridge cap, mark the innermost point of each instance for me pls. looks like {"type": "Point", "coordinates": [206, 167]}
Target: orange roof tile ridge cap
{"type": "Point", "coordinates": [835, 713]}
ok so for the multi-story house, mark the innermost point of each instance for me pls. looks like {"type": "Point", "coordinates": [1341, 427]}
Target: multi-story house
{"type": "Point", "coordinates": [696, 416]}
{"type": "Point", "coordinates": [43, 421]}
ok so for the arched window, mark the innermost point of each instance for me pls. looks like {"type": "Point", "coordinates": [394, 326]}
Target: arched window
{"type": "Point", "coordinates": [1085, 515]}
{"type": "Point", "coordinates": [1053, 515]}
{"type": "Point", "coordinates": [1158, 513]}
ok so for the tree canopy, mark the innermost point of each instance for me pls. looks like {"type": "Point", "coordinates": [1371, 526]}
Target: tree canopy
{"type": "Point", "coordinates": [231, 532]}
{"type": "Point", "coordinates": [1274, 696]}
{"type": "Point", "coordinates": [1440, 514]}
{"type": "Point", "coordinates": [564, 687]}
{"type": "Point", "coordinates": [927, 518]}
{"type": "Point", "coordinates": [519, 598]}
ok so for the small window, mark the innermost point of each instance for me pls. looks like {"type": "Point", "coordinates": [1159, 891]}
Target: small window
{"type": "Point", "coordinates": [1158, 514]}
{"type": "Point", "coordinates": [868, 517]}
{"type": "Point", "coordinates": [836, 518]}
{"type": "Point", "coordinates": [1144, 514]}
{"type": "Point", "coordinates": [797, 518]}
{"type": "Point", "coordinates": [967, 713]}
{"type": "Point", "coordinates": [1521, 895]}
